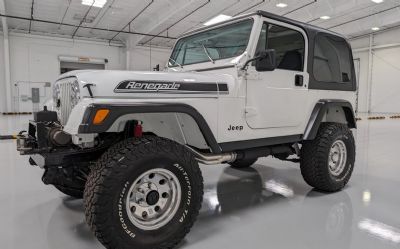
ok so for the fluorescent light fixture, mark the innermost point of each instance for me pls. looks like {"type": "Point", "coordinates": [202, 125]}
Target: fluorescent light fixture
{"type": "Point", "coordinates": [377, 1]}
{"type": "Point", "coordinates": [217, 19]}
{"type": "Point", "coordinates": [325, 17]}
{"type": "Point", "coordinates": [95, 3]}
{"type": "Point", "coordinates": [375, 28]}
{"type": "Point", "coordinates": [281, 5]}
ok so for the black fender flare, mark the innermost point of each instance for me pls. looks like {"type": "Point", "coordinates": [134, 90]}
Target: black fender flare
{"type": "Point", "coordinates": [318, 114]}
{"type": "Point", "coordinates": [118, 110]}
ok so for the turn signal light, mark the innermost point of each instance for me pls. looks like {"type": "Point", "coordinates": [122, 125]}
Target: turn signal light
{"type": "Point", "coordinates": [100, 116]}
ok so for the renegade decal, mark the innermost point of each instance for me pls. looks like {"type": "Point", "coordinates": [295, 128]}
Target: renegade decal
{"type": "Point", "coordinates": [130, 86]}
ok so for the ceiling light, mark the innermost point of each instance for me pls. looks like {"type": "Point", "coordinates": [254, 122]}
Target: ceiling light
{"type": "Point", "coordinates": [325, 17]}
{"type": "Point", "coordinates": [375, 28]}
{"type": "Point", "coordinates": [281, 5]}
{"type": "Point", "coordinates": [94, 3]}
{"type": "Point", "coordinates": [377, 1]}
{"type": "Point", "coordinates": [217, 19]}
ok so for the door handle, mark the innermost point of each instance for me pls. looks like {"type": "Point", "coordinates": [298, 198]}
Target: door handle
{"type": "Point", "coordinates": [299, 80]}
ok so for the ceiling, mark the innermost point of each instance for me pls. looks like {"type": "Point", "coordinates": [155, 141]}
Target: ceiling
{"type": "Point", "coordinates": [171, 18]}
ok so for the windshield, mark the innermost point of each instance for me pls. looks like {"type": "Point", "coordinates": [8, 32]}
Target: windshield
{"type": "Point", "coordinates": [211, 45]}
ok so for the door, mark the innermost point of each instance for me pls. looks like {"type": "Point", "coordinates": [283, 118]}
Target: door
{"type": "Point", "coordinates": [278, 98]}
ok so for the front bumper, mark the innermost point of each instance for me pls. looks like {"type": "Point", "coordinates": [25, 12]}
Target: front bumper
{"type": "Point", "coordinates": [44, 153]}
{"type": "Point", "coordinates": [35, 141]}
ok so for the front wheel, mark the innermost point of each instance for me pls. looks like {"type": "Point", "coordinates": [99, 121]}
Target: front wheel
{"type": "Point", "coordinates": [327, 162]}
{"type": "Point", "coordinates": [143, 193]}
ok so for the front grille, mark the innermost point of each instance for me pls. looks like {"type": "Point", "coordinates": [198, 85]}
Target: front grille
{"type": "Point", "coordinates": [65, 98]}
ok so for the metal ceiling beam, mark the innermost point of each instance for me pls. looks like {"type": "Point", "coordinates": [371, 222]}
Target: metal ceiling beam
{"type": "Point", "coordinates": [109, 6]}
{"type": "Point", "coordinates": [83, 19]}
{"type": "Point", "coordinates": [65, 13]}
{"type": "Point", "coordinates": [341, 15]}
{"type": "Point", "coordinates": [133, 19]}
{"type": "Point", "coordinates": [224, 9]}
{"type": "Point", "coordinates": [193, 11]}
{"type": "Point", "coordinates": [249, 8]}
{"type": "Point", "coordinates": [363, 17]}
{"type": "Point", "coordinates": [83, 27]}
{"type": "Point", "coordinates": [351, 38]}
{"type": "Point", "coordinates": [301, 7]}
{"type": "Point", "coordinates": [30, 22]}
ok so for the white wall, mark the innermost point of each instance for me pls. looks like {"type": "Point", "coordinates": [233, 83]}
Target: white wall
{"type": "Point", "coordinates": [2, 77]}
{"type": "Point", "coordinates": [35, 59]}
{"type": "Point", "coordinates": [145, 59]}
{"type": "Point", "coordinates": [385, 80]}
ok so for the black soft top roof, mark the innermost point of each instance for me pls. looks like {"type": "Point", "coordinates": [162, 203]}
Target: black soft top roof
{"type": "Point", "coordinates": [311, 30]}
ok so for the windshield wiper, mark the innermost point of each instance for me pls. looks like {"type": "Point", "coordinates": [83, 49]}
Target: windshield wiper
{"type": "Point", "coordinates": [208, 54]}
{"type": "Point", "coordinates": [176, 63]}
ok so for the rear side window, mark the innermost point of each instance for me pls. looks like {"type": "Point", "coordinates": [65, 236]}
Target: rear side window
{"type": "Point", "coordinates": [332, 60]}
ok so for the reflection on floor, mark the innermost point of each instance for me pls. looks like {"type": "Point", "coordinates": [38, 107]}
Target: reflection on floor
{"type": "Point", "coordinates": [267, 206]}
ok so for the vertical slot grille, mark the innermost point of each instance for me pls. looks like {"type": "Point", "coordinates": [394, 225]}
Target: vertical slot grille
{"type": "Point", "coordinates": [64, 96]}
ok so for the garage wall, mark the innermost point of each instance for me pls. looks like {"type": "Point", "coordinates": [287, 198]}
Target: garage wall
{"type": "Point", "coordinates": [145, 59]}
{"type": "Point", "coordinates": [385, 80]}
{"type": "Point", "coordinates": [35, 59]}
{"type": "Point", "coordinates": [2, 79]}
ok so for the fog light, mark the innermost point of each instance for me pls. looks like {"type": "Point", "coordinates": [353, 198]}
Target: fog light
{"type": "Point", "coordinates": [100, 116]}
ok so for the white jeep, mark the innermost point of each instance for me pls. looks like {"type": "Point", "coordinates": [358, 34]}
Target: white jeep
{"type": "Point", "coordinates": [129, 143]}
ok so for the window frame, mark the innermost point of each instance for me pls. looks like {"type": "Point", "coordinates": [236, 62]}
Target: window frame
{"type": "Point", "coordinates": [329, 85]}
{"type": "Point", "coordinates": [251, 19]}
{"type": "Point", "coordinates": [289, 26]}
{"type": "Point", "coordinates": [292, 28]}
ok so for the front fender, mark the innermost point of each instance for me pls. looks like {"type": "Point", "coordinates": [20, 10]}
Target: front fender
{"type": "Point", "coordinates": [119, 110]}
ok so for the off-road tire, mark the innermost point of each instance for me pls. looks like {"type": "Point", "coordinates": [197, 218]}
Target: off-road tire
{"type": "Point", "coordinates": [243, 163]}
{"type": "Point", "coordinates": [122, 164]}
{"type": "Point", "coordinates": [315, 155]}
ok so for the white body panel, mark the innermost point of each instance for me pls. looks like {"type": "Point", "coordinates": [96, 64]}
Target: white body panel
{"type": "Point", "coordinates": [262, 104]}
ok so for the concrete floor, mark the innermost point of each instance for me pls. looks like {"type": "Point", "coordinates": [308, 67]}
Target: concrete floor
{"type": "Point", "coordinates": [268, 206]}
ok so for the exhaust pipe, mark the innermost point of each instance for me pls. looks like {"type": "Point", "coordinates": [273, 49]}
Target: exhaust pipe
{"type": "Point", "coordinates": [213, 159]}
{"type": "Point", "coordinates": [249, 153]}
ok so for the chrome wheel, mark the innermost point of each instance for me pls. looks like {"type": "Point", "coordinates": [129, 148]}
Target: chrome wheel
{"type": "Point", "coordinates": [337, 158]}
{"type": "Point", "coordinates": [153, 199]}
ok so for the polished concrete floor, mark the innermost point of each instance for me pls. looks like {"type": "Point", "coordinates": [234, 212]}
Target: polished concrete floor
{"type": "Point", "coordinates": [267, 206]}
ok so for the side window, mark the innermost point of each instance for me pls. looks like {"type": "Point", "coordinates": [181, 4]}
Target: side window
{"type": "Point", "coordinates": [332, 60]}
{"type": "Point", "coordinates": [289, 46]}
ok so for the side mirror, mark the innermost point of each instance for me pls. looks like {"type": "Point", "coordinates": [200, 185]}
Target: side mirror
{"type": "Point", "coordinates": [266, 61]}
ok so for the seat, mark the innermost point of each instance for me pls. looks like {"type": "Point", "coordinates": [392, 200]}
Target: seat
{"type": "Point", "coordinates": [292, 60]}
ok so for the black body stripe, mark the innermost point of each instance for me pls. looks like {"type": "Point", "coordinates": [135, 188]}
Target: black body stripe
{"type": "Point", "coordinates": [132, 86]}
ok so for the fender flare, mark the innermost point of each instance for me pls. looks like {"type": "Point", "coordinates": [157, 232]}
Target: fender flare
{"type": "Point", "coordinates": [320, 110]}
{"type": "Point", "coordinates": [118, 110]}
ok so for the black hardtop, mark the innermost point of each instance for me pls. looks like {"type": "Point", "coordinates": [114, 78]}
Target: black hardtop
{"type": "Point", "coordinates": [311, 30]}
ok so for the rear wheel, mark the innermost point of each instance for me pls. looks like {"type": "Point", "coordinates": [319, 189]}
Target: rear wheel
{"type": "Point", "coordinates": [143, 193]}
{"type": "Point", "coordinates": [243, 163]}
{"type": "Point", "coordinates": [327, 162]}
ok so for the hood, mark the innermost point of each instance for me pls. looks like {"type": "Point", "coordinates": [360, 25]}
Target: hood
{"type": "Point", "coordinates": [114, 84]}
